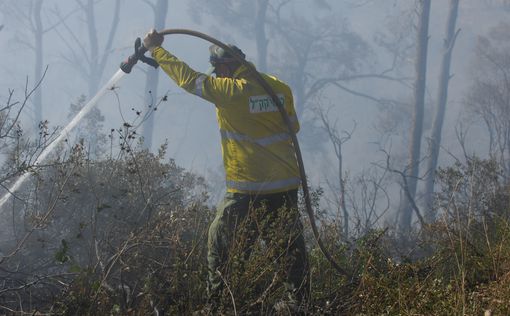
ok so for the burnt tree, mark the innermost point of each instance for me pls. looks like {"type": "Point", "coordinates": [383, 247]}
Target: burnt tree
{"type": "Point", "coordinates": [442, 99]}
{"type": "Point", "coordinates": [410, 185]}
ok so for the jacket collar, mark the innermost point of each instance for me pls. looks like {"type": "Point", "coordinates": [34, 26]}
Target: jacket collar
{"type": "Point", "coordinates": [242, 71]}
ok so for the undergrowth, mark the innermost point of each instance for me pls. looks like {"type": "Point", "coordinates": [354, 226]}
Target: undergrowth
{"type": "Point", "coordinates": [457, 265]}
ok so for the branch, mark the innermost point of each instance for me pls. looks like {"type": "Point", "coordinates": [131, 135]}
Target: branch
{"type": "Point", "coordinates": [51, 208]}
{"type": "Point", "coordinates": [29, 284]}
{"type": "Point", "coordinates": [28, 94]}
{"type": "Point", "coordinates": [75, 39]}
{"type": "Point", "coordinates": [405, 186]}
{"type": "Point", "coordinates": [68, 15]}
{"type": "Point", "coordinates": [498, 65]}
{"type": "Point", "coordinates": [150, 4]}
{"type": "Point", "coordinates": [26, 43]}
{"type": "Point", "coordinates": [360, 94]}
{"type": "Point", "coordinates": [76, 62]}
{"type": "Point", "coordinates": [321, 83]}
{"type": "Point", "coordinates": [81, 4]}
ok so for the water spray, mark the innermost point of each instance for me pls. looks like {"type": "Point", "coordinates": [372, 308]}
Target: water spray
{"type": "Point", "coordinates": [125, 68]}
{"type": "Point", "coordinates": [63, 133]}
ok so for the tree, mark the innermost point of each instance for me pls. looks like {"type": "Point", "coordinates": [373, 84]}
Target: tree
{"type": "Point", "coordinates": [91, 61]}
{"type": "Point", "coordinates": [337, 141]}
{"type": "Point", "coordinates": [314, 55]}
{"type": "Point", "coordinates": [90, 130]}
{"type": "Point", "coordinates": [442, 98]}
{"type": "Point", "coordinates": [160, 9]}
{"type": "Point", "coordinates": [260, 34]}
{"type": "Point", "coordinates": [38, 48]}
{"type": "Point", "coordinates": [29, 17]}
{"type": "Point", "coordinates": [238, 14]}
{"type": "Point", "coordinates": [406, 210]}
{"type": "Point", "coordinates": [489, 94]}
{"type": "Point", "coordinates": [498, 4]}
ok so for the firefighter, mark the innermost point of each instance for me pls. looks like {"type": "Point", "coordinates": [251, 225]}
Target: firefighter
{"type": "Point", "coordinates": [262, 175]}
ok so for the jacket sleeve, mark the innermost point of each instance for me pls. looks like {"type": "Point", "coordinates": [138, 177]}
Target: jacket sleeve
{"type": "Point", "coordinates": [216, 90]}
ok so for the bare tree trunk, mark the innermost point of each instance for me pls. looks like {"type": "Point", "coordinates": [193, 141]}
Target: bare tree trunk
{"type": "Point", "coordinates": [444, 79]}
{"type": "Point", "coordinates": [97, 62]}
{"type": "Point", "coordinates": [341, 183]}
{"type": "Point", "coordinates": [406, 211]}
{"type": "Point", "coordinates": [38, 49]}
{"type": "Point", "coordinates": [151, 82]}
{"type": "Point", "coordinates": [96, 58]}
{"type": "Point", "coordinates": [32, 16]}
{"type": "Point", "coordinates": [260, 35]}
{"type": "Point", "coordinates": [94, 48]}
{"type": "Point", "coordinates": [337, 142]}
{"type": "Point", "coordinates": [298, 82]}
{"type": "Point", "coordinates": [299, 95]}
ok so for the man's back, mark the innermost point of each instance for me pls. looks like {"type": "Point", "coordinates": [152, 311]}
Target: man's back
{"type": "Point", "coordinates": [257, 150]}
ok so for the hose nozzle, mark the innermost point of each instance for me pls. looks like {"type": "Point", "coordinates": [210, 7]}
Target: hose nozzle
{"type": "Point", "coordinates": [140, 50]}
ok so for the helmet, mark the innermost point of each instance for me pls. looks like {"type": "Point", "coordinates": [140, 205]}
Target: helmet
{"type": "Point", "coordinates": [219, 55]}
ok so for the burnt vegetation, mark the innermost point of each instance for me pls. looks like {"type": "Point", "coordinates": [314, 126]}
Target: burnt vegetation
{"type": "Point", "coordinates": [125, 234]}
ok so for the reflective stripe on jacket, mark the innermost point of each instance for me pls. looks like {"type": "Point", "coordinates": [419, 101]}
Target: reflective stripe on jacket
{"type": "Point", "coordinates": [257, 149]}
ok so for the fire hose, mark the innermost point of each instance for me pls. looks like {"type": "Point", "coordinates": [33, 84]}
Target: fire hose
{"type": "Point", "coordinates": [140, 50]}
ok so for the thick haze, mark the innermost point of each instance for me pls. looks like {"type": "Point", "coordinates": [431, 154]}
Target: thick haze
{"type": "Point", "coordinates": [189, 124]}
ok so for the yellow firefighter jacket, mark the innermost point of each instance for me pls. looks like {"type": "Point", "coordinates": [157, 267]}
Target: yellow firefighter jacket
{"type": "Point", "coordinates": [257, 149]}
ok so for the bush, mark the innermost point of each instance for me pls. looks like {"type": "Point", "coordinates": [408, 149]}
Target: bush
{"type": "Point", "coordinates": [80, 217]}
{"type": "Point", "coordinates": [128, 237]}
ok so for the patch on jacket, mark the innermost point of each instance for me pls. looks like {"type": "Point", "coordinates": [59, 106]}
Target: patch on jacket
{"type": "Point", "coordinates": [264, 103]}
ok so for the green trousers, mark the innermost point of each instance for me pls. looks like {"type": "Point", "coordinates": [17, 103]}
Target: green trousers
{"type": "Point", "coordinates": [240, 220]}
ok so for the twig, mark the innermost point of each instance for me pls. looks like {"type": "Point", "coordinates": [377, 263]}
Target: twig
{"type": "Point", "coordinates": [229, 291]}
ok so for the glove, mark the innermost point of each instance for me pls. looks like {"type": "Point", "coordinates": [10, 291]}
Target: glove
{"type": "Point", "coordinates": [152, 40]}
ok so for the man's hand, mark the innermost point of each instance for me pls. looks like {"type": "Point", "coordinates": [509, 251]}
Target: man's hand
{"type": "Point", "coordinates": [152, 40]}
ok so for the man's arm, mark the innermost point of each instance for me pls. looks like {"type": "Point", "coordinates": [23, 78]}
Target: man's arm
{"type": "Point", "coordinates": [183, 75]}
{"type": "Point", "coordinates": [216, 90]}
